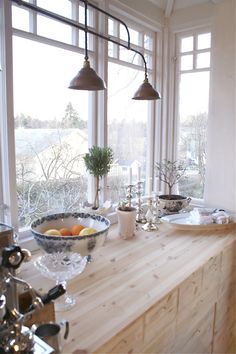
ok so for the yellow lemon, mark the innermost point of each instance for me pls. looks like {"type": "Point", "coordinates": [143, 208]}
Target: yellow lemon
{"type": "Point", "coordinates": [52, 232]}
{"type": "Point", "coordinates": [87, 231]}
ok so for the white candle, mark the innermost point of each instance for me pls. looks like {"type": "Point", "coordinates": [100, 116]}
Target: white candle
{"type": "Point", "coordinates": [139, 173]}
{"type": "Point", "coordinates": [149, 191]}
{"type": "Point", "coordinates": [130, 176]}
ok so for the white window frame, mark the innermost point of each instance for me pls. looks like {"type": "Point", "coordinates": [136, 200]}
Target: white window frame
{"type": "Point", "coordinates": [97, 123]}
{"type": "Point", "coordinates": [174, 77]}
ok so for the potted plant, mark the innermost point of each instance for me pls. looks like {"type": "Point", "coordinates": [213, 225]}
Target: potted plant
{"type": "Point", "coordinates": [98, 162]}
{"type": "Point", "coordinates": [171, 172]}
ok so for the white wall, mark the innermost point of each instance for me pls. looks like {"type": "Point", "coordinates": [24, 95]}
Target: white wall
{"type": "Point", "coordinates": [221, 176]}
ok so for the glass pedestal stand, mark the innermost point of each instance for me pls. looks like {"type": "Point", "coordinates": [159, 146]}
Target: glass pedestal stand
{"type": "Point", "coordinates": [150, 225]}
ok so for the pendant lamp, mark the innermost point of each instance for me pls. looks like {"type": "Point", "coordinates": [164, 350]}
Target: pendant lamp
{"type": "Point", "coordinates": [87, 78]}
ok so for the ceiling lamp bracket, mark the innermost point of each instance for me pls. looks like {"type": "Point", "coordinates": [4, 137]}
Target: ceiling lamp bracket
{"type": "Point", "coordinates": [87, 78]}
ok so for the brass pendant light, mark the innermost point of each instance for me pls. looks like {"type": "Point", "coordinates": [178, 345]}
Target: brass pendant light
{"type": "Point", "coordinates": [146, 92]}
{"type": "Point", "coordinates": [87, 78]}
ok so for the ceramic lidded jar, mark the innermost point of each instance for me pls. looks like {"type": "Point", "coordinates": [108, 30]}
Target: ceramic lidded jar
{"type": "Point", "coordinates": [126, 222]}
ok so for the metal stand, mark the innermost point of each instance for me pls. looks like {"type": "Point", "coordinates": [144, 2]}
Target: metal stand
{"type": "Point", "coordinates": [149, 226]}
{"type": "Point", "coordinates": [156, 211]}
{"type": "Point", "coordinates": [129, 194]}
{"type": "Point", "coordinates": [140, 218]}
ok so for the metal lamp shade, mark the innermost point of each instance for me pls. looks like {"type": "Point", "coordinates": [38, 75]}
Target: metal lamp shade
{"type": "Point", "coordinates": [87, 79]}
{"type": "Point", "coordinates": [146, 92]}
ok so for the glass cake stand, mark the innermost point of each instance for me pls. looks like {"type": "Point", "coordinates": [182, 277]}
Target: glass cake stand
{"type": "Point", "coordinates": [62, 266]}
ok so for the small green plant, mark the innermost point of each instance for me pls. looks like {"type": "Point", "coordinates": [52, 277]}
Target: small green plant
{"type": "Point", "coordinates": [170, 172]}
{"type": "Point", "coordinates": [98, 162]}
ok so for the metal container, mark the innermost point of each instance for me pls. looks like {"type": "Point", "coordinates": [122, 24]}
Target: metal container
{"type": "Point", "coordinates": [8, 238]}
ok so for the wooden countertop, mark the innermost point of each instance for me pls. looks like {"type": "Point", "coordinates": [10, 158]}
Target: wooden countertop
{"type": "Point", "coordinates": [127, 277]}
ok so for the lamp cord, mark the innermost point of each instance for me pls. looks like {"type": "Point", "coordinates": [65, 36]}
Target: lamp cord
{"type": "Point", "coordinates": [86, 29]}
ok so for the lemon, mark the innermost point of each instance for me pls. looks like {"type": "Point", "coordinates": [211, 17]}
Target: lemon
{"type": "Point", "coordinates": [87, 231]}
{"type": "Point", "coordinates": [52, 232]}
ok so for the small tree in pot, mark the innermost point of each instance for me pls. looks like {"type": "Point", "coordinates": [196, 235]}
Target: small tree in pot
{"type": "Point", "coordinates": [98, 162]}
{"type": "Point", "coordinates": [171, 172]}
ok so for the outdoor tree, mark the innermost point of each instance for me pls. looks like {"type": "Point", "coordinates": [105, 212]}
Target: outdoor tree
{"type": "Point", "coordinates": [71, 118]}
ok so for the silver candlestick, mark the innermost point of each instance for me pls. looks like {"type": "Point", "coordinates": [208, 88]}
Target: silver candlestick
{"type": "Point", "coordinates": [129, 194]}
{"type": "Point", "coordinates": [156, 210]}
{"type": "Point", "coordinates": [140, 214]}
{"type": "Point", "coordinates": [149, 226]}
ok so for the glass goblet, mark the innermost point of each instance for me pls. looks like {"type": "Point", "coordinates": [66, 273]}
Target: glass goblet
{"type": "Point", "coordinates": [62, 266]}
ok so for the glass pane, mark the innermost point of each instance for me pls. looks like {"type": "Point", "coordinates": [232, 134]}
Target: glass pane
{"type": "Point", "coordinates": [129, 56]}
{"type": "Point", "coordinates": [203, 60]}
{"type": "Point", "coordinates": [53, 29]}
{"type": "Point", "coordinates": [111, 27]}
{"type": "Point", "coordinates": [134, 35]}
{"type": "Point", "coordinates": [186, 44]}
{"type": "Point", "coordinates": [20, 18]}
{"type": "Point", "coordinates": [148, 59]}
{"type": "Point", "coordinates": [148, 42]}
{"type": "Point", "coordinates": [127, 128]}
{"type": "Point", "coordinates": [111, 50]}
{"type": "Point", "coordinates": [204, 41]}
{"type": "Point", "coordinates": [50, 130]}
{"type": "Point", "coordinates": [193, 114]}
{"type": "Point", "coordinates": [186, 62]}
{"type": "Point", "coordinates": [62, 7]}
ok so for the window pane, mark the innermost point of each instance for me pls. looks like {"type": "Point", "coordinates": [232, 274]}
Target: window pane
{"type": "Point", "coordinates": [148, 42]}
{"type": "Point", "coordinates": [186, 62]}
{"type": "Point", "coordinates": [127, 127]}
{"type": "Point", "coordinates": [53, 29]}
{"type": "Point", "coordinates": [129, 56]}
{"type": "Point", "coordinates": [134, 35]}
{"type": "Point", "coordinates": [62, 7]}
{"type": "Point", "coordinates": [186, 44]}
{"type": "Point", "coordinates": [20, 18]}
{"type": "Point", "coordinates": [203, 60]}
{"type": "Point", "coordinates": [50, 130]}
{"type": "Point", "coordinates": [111, 29]}
{"type": "Point", "coordinates": [193, 113]}
{"type": "Point", "coordinates": [204, 41]}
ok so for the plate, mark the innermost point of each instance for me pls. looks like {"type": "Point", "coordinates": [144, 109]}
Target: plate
{"type": "Point", "coordinates": [183, 221]}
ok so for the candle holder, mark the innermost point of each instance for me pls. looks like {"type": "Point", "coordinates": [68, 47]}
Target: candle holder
{"type": "Point", "coordinates": [150, 226]}
{"type": "Point", "coordinates": [129, 194]}
{"type": "Point", "coordinates": [156, 210]}
{"type": "Point", "coordinates": [140, 217]}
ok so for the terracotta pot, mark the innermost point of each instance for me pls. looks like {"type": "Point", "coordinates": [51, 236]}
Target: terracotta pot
{"type": "Point", "coordinates": [173, 203]}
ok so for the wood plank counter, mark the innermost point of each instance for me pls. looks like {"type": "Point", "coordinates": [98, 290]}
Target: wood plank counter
{"type": "Point", "coordinates": [166, 291]}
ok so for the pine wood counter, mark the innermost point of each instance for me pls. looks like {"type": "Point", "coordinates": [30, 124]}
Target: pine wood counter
{"type": "Point", "coordinates": [167, 291]}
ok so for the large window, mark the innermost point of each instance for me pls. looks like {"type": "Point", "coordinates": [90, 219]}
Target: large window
{"type": "Point", "coordinates": [194, 60]}
{"type": "Point", "coordinates": [52, 127]}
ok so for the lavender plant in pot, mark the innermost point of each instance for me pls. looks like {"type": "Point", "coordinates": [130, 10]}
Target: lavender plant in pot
{"type": "Point", "coordinates": [170, 173]}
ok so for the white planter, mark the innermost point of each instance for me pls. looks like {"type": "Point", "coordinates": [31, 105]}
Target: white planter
{"type": "Point", "coordinates": [126, 222]}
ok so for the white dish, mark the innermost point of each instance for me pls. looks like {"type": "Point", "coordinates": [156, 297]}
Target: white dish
{"type": "Point", "coordinates": [183, 222]}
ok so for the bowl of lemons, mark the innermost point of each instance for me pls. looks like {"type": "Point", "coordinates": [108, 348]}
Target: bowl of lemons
{"type": "Point", "coordinates": [70, 232]}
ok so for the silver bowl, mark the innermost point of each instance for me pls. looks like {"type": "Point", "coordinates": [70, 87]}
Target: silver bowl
{"type": "Point", "coordinates": [81, 244]}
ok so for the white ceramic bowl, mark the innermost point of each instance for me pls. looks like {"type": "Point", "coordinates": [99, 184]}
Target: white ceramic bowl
{"type": "Point", "coordinates": [81, 244]}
